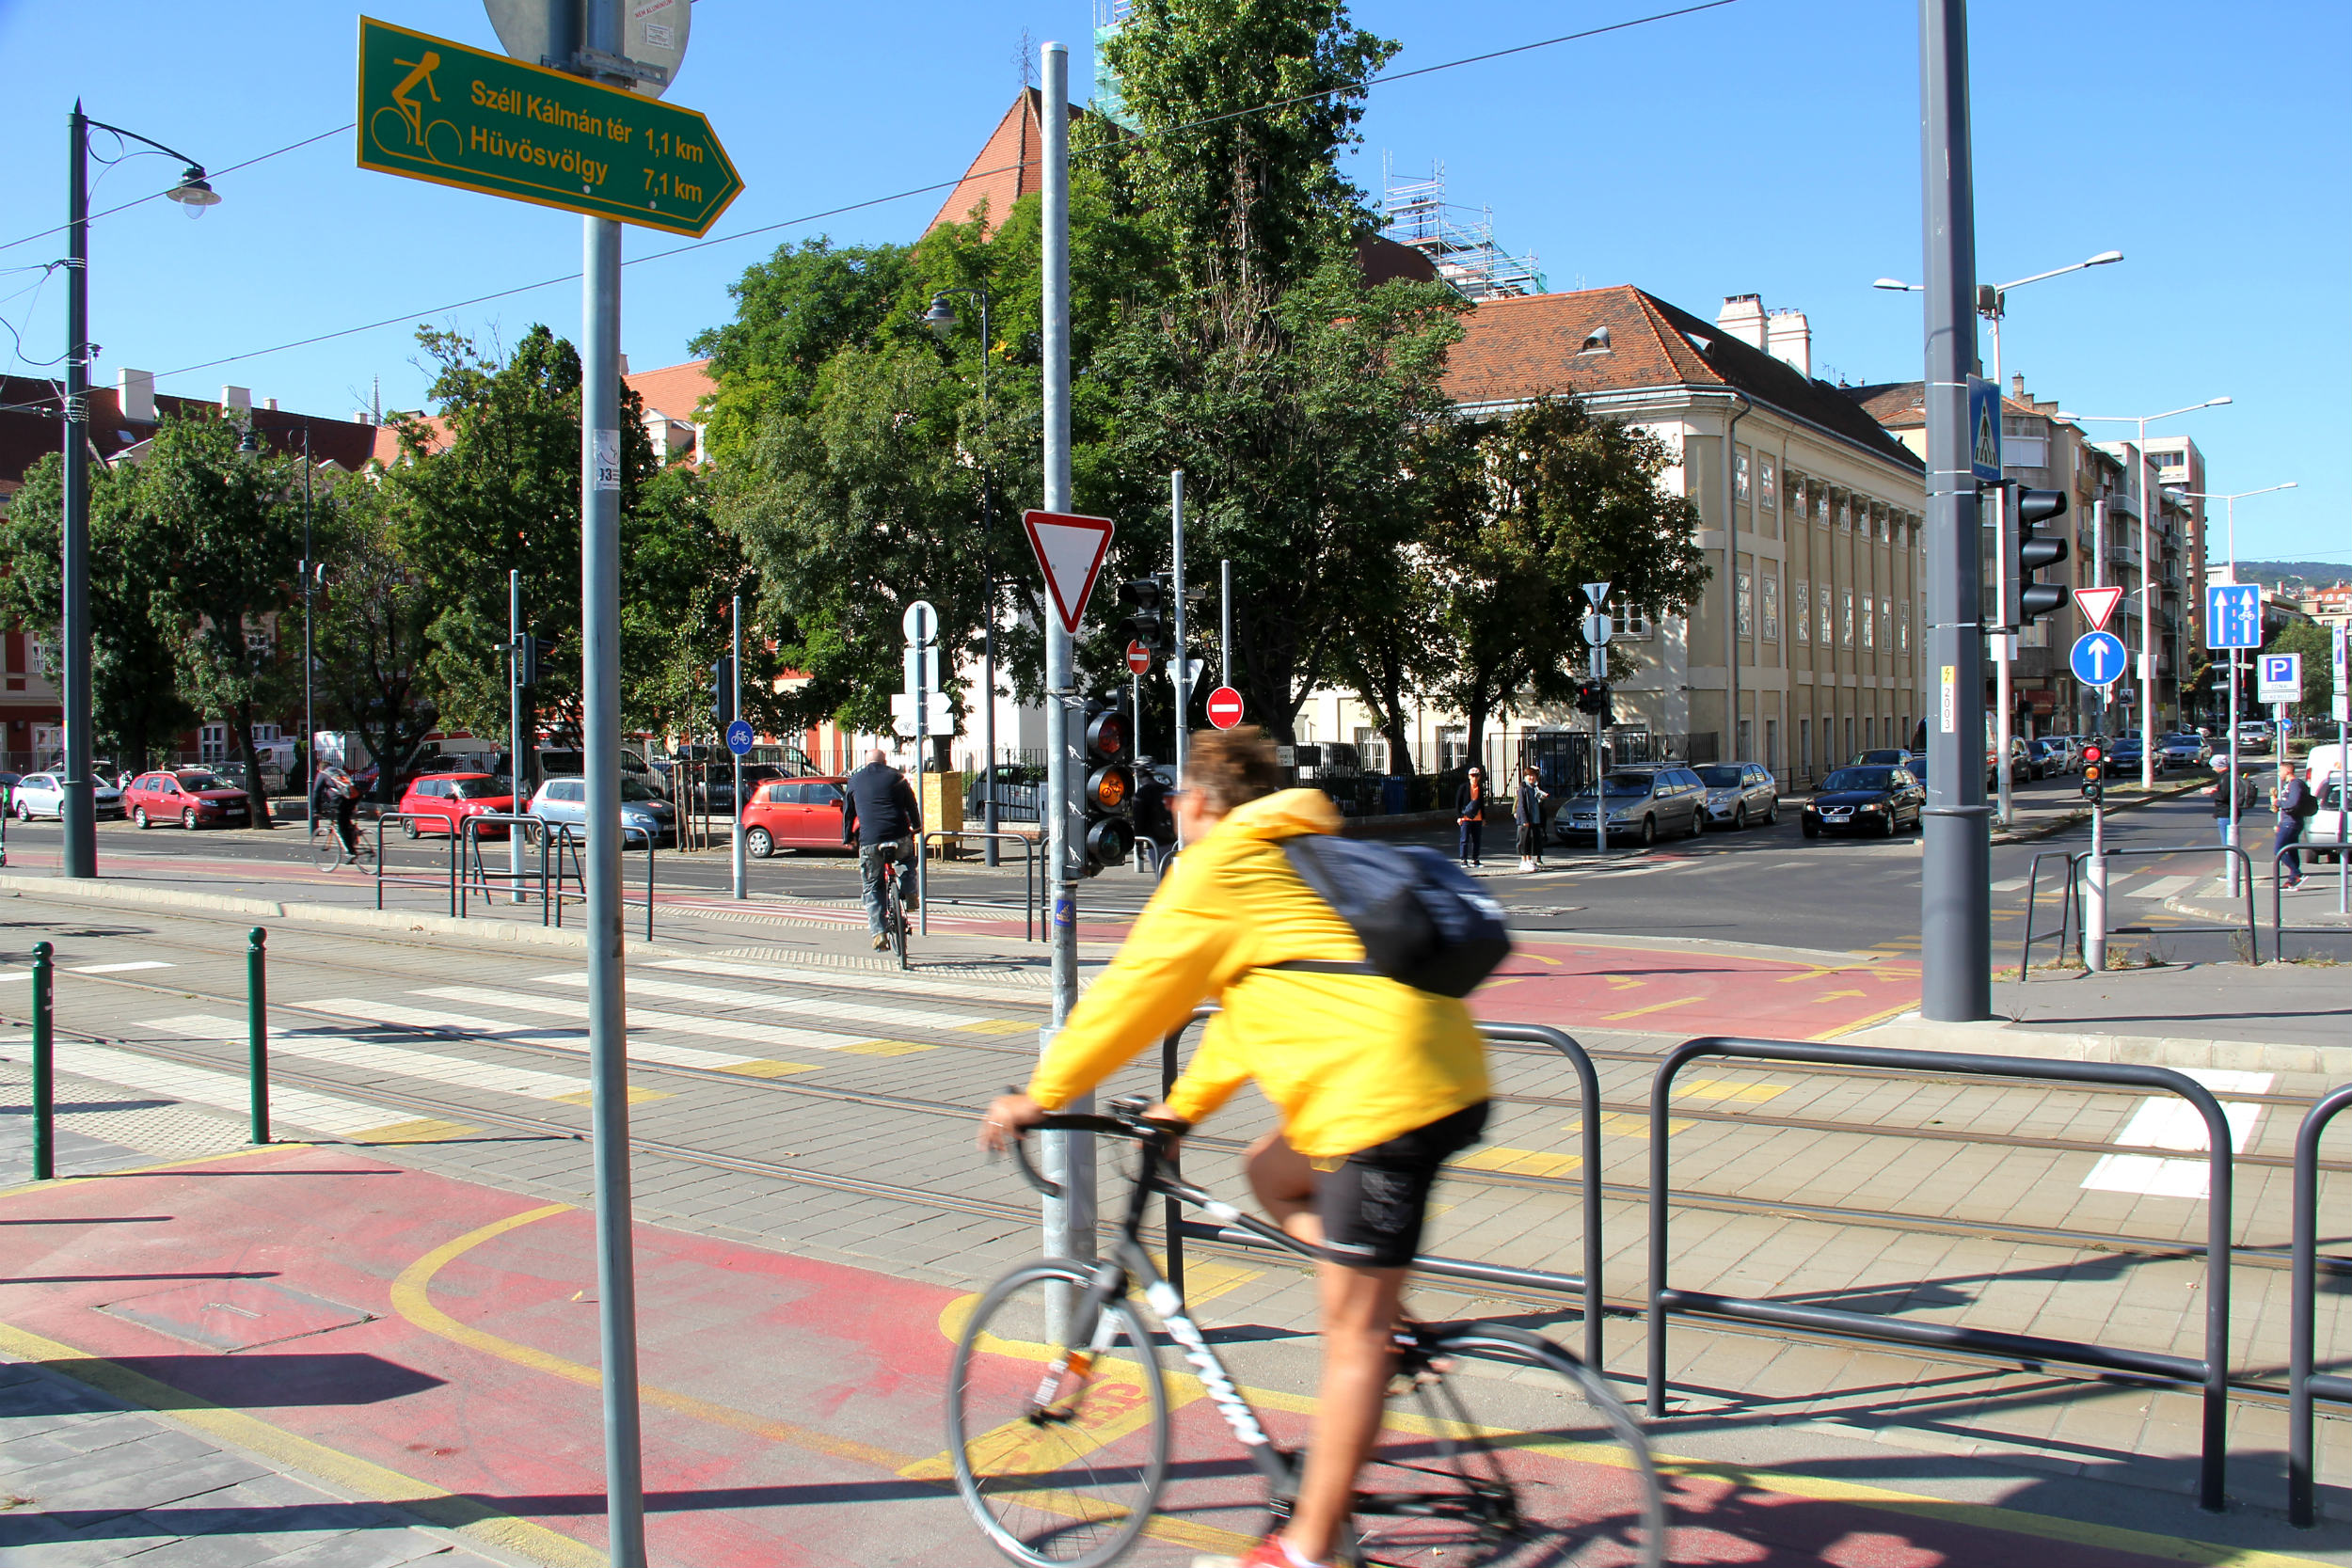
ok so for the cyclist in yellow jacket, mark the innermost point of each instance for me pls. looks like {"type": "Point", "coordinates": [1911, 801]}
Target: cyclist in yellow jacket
{"type": "Point", "coordinates": [1377, 1083]}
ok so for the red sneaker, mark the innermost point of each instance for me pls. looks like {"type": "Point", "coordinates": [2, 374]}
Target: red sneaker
{"type": "Point", "coordinates": [1268, 1553]}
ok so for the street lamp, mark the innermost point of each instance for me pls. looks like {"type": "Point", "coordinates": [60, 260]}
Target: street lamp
{"type": "Point", "coordinates": [194, 192]}
{"type": "Point", "coordinates": [1993, 303]}
{"type": "Point", "coordinates": [940, 321]}
{"type": "Point", "coordinates": [2148, 489]}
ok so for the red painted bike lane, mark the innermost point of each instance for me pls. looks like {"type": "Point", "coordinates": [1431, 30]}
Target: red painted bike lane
{"type": "Point", "coordinates": [443, 1335]}
{"type": "Point", "coordinates": [1594, 983]}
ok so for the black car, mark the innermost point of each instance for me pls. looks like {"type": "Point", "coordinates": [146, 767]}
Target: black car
{"type": "Point", "coordinates": [1880, 801]}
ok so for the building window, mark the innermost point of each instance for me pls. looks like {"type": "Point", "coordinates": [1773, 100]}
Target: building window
{"type": "Point", "coordinates": [1745, 600]}
{"type": "Point", "coordinates": [1829, 632]}
{"type": "Point", "coordinates": [1845, 608]}
{"type": "Point", "coordinates": [1772, 606]}
{"type": "Point", "coordinates": [1372, 749]}
{"type": "Point", "coordinates": [1800, 611]}
{"type": "Point", "coordinates": [1805, 747]}
{"type": "Point", "coordinates": [1452, 747]}
{"type": "Point", "coordinates": [212, 743]}
{"type": "Point", "coordinates": [1740, 477]}
{"type": "Point", "coordinates": [1821, 504]}
{"type": "Point", "coordinates": [1764, 484]}
{"type": "Point", "coordinates": [1869, 626]}
{"type": "Point", "coordinates": [1797, 494]}
{"type": "Point", "coordinates": [1902, 627]}
{"type": "Point", "coordinates": [1635, 627]}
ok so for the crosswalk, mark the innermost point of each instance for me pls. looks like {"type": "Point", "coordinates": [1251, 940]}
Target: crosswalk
{"type": "Point", "coordinates": [2142, 884]}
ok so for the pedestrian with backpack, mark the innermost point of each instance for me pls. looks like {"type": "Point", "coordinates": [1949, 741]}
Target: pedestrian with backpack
{"type": "Point", "coordinates": [1339, 966]}
{"type": "Point", "coordinates": [2295, 803]}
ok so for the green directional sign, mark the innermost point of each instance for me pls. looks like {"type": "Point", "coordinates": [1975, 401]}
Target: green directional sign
{"type": "Point", "coordinates": [435, 110]}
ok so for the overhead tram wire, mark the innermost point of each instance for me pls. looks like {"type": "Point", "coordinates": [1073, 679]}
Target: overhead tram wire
{"type": "Point", "coordinates": [210, 173]}
{"type": "Point", "coordinates": [1127, 144]}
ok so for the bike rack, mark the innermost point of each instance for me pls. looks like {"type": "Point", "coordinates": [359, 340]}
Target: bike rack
{"type": "Point", "coordinates": [450, 882]}
{"type": "Point", "coordinates": [2066, 909]}
{"type": "Point", "coordinates": [2278, 895]}
{"type": "Point", "coordinates": [566, 840]}
{"type": "Point", "coordinates": [2212, 1371]}
{"type": "Point", "coordinates": [2253, 943]}
{"type": "Point", "coordinates": [1588, 1285]}
{"type": "Point", "coordinates": [1031, 895]}
{"type": "Point", "coordinates": [477, 878]}
{"type": "Point", "coordinates": [2302, 1383]}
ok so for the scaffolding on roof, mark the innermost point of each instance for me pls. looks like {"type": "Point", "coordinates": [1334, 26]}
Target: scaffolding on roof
{"type": "Point", "coordinates": [1462, 247]}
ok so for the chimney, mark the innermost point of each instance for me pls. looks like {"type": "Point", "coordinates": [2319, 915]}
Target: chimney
{"type": "Point", "coordinates": [1742, 316]}
{"type": "Point", "coordinates": [270, 403]}
{"type": "Point", "coordinates": [2017, 385]}
{"type": "Point", "coordinates": [236, 400]}
{"type": "Point", "coordinates": [362, 416]}
{"type": "Point", "coordinates": [135, 390]}
{"type": "Point", "coordinates": [624, 365]}
{"type": "Point", "coordinates": [1790, 339]}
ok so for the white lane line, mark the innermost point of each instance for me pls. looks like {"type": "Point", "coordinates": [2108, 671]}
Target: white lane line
{"type": "Point", "coordinates": [765, 1035]}
{"type": "Point", "coordinates": [493, 1030]}
{"type": "Point", "coordinates": [802, 1006]}
{"type": "Point", "coordinates": [321, 1113]}
{"type": "Point", "coordinates": [2167, 1121]}
{"type": "Point", "coordinates": [2160, 887]}
{"type": "Point", "coordinates": [119, 969]}
{"type": "Point", "coordinates": [2007, 884]}
{"type": "Point", "coordinates": [376, 1057]}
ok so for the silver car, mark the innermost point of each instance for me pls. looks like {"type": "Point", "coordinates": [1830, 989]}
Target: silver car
{"type": "Point", "coordinates": [43, 795]}
{"type": "Point", "coordinates": [566, 800]}
{"type": "Point", "coordinates": [1646, 805]}
{"type": "Point", "coordinates": [1738, 793]}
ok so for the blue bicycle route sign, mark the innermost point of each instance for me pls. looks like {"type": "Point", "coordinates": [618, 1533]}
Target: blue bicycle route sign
{"type": "Point", "coordinates": [2233, 615]}
{"type": "Point", "coordinates": [2098, 657]}
{"type": "Point", "coordinates": [739, 736]}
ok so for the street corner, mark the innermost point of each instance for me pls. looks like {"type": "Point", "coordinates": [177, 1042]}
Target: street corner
{"type": "Point", "coordinates": [1688, 990]}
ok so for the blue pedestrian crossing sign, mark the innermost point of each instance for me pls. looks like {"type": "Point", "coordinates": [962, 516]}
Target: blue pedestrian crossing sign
{"type": "Point", "coordinates": [2233, 615]}
{"type": "Point", "coordinates": [2098, 657]}
{"type": "Point", "coordinates": [1984, 429]}
{"type": "Point", "coordinates": [739, 736]}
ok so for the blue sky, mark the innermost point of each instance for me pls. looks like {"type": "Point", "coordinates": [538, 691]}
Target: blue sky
{"type": "Point", "coordinates": [1769, 147]}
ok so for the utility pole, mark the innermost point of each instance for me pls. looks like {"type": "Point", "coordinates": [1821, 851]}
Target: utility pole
{"type": "Point", "coordinates": [601, 761]}
{"type": "Point", "coordinates": [1955, 899]}
{"type": "Point", "coordinates": [521, 660]}
{"type": "Point", "coordinates": [1180, 674]}
{"type": "Point", "coordinates": [735, 619]}
{"type": "Point", "coordinates": [310, 660]}
{"type": "Point", "coordinates": [78, 810]}
{"type": "Point", "coordinates": [1069, 1157]}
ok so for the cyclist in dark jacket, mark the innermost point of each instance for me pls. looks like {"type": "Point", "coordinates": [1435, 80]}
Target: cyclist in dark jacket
{"type": "Point", "coordinates": [880, 816]}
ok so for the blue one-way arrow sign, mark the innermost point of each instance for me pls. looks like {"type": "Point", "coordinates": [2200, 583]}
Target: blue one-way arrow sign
{"type": "Point", "coordinates": [2098, 657]}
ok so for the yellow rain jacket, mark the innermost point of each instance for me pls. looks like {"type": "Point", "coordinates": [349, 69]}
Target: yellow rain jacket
{"type": "Point", "coordinates": [1352, 1060]}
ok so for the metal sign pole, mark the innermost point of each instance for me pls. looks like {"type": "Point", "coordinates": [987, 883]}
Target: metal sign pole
{"type": "Point", "coordinates": [1069, 1157]}
{"type": "Point", "coordinates": [608, 1023]}
{"type": "Point", "coordinates": [1181, 672]}
{"type": "Point", "coordinates": [1225, 633]}
{"type": "Point", "coordinates": [922, 688]}
{"type": "Point", "coordinates": [735, 711]}
{"type": "Point", "coordinates": [2230, 836]}
{"type": "Point", "coordinates": [516, 667]}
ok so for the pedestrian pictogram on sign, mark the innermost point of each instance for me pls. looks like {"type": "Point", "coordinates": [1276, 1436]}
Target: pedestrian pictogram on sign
{"type": "Point", "coordinates": [1070, 550]}
{"type": "Point", "coordinates": [1139, 659]}
{"type": "Point", "coordinates": [2097, 604]}
{"type": "Point", "coordinates": [1984, 429]}
{"type": "Point", "coordinates": [1225, 708]}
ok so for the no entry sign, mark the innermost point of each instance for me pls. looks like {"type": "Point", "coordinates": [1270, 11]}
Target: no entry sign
{"type": "Point", "coordinates": [1225, 708]}
{"type": "Point", "coordinates": [1139, 659]}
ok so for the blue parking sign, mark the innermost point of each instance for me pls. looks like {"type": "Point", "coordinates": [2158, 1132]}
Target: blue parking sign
{"type": "Point", "coordinates": [2233, 615]}
{"type": "Point", "coordinates": [2098, 658]}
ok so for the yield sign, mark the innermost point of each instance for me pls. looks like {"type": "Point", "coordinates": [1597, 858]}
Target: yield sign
{"type": "Point", "coordinates": [1069, 548]}
{"type": "Point", "coordinates": [2097, 604]}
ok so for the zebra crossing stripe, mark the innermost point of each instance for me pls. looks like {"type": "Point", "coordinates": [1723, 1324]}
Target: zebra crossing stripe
{"type": "Point", "coordinates": [894, 983]}
{"type": "Point", "coordinates": [320, 1113]}
{"type": "Point", "coordinates": [684, 1023]}
{"type": "Point", "coordinates": [494, 1029]}
{"type": "Point", "coordinates": [398, 1060]}
{"type": "Point", "coordinates": [2167, 1121]}
{"type": "Point", "coordinates": [801, 1007]}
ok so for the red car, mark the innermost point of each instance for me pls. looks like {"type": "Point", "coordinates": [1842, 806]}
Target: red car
{"type": "Point", "coordinates": [197, 797]}
{"type": "Point", "coordinates": [440, 802]}
{"type": "Point", "coordinates": [792, 814]}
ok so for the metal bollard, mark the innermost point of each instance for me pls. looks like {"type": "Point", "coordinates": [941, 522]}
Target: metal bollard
{"type": "Point", "coordinates": [44, 1065]}
{"type": "Point", "coordinates": [257, 1029]}
{"type": "Point", "coordinates": [2095, 913]}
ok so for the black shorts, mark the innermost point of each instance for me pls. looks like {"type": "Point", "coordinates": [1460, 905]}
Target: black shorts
{"type": "Point", "coordinates": [1373, 1205]}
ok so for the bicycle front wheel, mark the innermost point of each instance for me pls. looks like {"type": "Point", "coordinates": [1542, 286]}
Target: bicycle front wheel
{"type": "Point", "coordinates": [327, 848]}
{"type": "Point", "coordinates": [1060, 1446]}
{"type": "Point", "coordinates": [1545, 1470]}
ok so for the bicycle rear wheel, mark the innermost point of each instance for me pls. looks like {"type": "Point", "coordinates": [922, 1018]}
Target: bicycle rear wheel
{"type": "Point", "coordinates": [1060, 1453]}
{"type": "Point", "coordinates": [1526, 1471]}
{"type": "Point", "coordinates": [895, 912]}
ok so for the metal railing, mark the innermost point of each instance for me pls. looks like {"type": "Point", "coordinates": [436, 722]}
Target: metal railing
{"type": "Point", "coordinates": [476, 877]}
{"type": "Point", "coordinates": [2066, 910]}
{"type": "Point", "coordinates": [1032, 879]}
{"type": "Point", "coordinates": [2278, 901]}
{"type": "Point", "coordinates": [1586, 1285]}
{"type": "Point", "coordinates": [2303, 1383]}
{"type": "Point", "coordinates": [2253, 944]}
{"type": "Point", "coordinates": [567, 839]}
{"type": "Point", "coordinates": [1151, 855]}
{"type": "Point", "coordinates": [384, 878]}
{"type": "Point", "coordinates": [2211, 1372]}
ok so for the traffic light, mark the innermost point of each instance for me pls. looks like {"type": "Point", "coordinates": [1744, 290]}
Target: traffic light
{"type": "Point", "coordinates": [1591, 697]}
{"type": "Point", "coordinates": [2033, 550]}
{"type": "Point", "coordinates": [1109, 795]}
{"type": "Point", "coordinates": [723, 690]}
{"type": "Point", "coordinates": [1147, 619]}
{"type": "Point", "coordinates": [528, 654]}
{"type": "Point", "coordinates": [2094, 772]}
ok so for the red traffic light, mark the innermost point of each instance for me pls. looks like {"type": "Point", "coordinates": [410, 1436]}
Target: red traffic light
{"type": "Point", "coordinates": [2094, 752]}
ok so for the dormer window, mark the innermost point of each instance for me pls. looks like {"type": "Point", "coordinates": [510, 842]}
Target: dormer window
{"type": "Point", "coordinates": [1596, 342]}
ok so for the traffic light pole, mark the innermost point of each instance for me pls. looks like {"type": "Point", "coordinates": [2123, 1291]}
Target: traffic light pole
{"type": "Point", "coordinates": [1180, 675]}
{"type": "Point", "coordinates": [735, 710]}
{"type": "Point", "coordinates": [1955, 899]}
{"type": "Point", "coordinates": [517, 667]}
{"type": "Point", "coordinates": [1069, 1157]}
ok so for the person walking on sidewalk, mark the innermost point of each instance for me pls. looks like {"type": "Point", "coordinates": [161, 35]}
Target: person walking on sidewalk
{"type": "Point", "coordinates": [2228, 790]}
{"type": "Point", "coordinates": [880, 816]}
{"type": "Point", "coordinates": [1469, 817]}
{"type": "Point", "coordinates": [2294, 803]}
{"type": "Point", "coordinates": [1527, 808]}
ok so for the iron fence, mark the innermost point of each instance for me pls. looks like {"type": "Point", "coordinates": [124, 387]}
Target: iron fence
{"type": "Point", "coordinates": [2303, 1383]}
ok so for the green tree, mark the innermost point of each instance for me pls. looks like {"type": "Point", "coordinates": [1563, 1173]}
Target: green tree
{"type": "Point", "coordinates": [2319, 683]}
{"type": "Point", "coordinates": [681, 570]}
{"type": "Point", "coordinates": [1535, 504]}
{"type": "Point", "coordinates": [230, 525]}
{"type": "Point", "coordinates": [374, 620]}
{"type": "Point", "coordinates": [135, 699]}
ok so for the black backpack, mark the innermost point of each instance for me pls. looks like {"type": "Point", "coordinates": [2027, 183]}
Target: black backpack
{"type": "Point", "coordinates": [1422, 920]}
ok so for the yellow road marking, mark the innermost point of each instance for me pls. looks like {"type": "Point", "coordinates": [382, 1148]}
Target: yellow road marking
{"type": "Point", "coordinates": [999, 1027]}
{"type": "Point", "coordinates": [1628, 1124]}
{"type": "Point", "coordinates": [1814, 972]}
{"type": "Point", "coordinates": [769, 1068]}
{"type": "Point", "coordinates": [1622, 982]}
{"type": "Point", "coordinates": [588, 1097]}
{"type": "Point", "coordinates": [60, 1184]}
{"type": "Point", "coordinates": [1520, 1161]}
{"type": "Point", "coordinates": [425, 1131]}
{"type": "Point", "coordinates": [1653, 1008]}
{"type": "Point", "coordinates": [1868, 1019]}
{"type": "Point", "coordinates": [885, 1048]}
{"type": "Point", "coordinates": [1719, 1088]}
{"type": "Point", "coordinates": [1834, 995]}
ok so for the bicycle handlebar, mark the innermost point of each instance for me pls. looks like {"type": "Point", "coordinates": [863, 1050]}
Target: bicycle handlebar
{"type": "Point", "coordinates": [1126, 1124]}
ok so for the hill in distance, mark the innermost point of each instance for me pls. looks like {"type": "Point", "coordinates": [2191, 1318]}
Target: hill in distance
{"type": "Point", "coordinates": [2316, 574]}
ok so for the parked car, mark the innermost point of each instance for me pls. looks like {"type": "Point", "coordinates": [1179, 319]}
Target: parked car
{"type": "Point", "coordinates": [2254, 737]}
{"type": "Point", "coordinates": [195, 797]}
{"type": "Point", "coordinates": [716, 793]}
{"type": "Point", "coordinates": [1881, 801]}
{"type": "Point", "coordinates": [2183, 749]}
{"type": "Point", "coordinates": [2124, 757]}
{"type": "Point", "coordinates": [43, 795]}
{"type": "Point", "coordinates": [565, 800]}
{"type": "Point", "coordinates": [2066, 750]}
{"type": "Point", "coordinates": [2020, 764]}
{"type": "Point", "coordinates": [1887, 756]}
{"type": "Point", "coordinates": [440, 802]}
{"type": "Point", "coordinates": [1645, 805]}
{"type": "Point", "coordinates": [792, 814]}
{"type": "Point", "coordinates": [2050, 757]}
{"type": "Point", "coordinates": [1738, 793]}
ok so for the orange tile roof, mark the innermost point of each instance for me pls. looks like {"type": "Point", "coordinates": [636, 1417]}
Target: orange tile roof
{"type": "Point", "coordinates": [1011, 164]}
{"type": "Point", "coordinates": [676, 390]}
